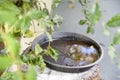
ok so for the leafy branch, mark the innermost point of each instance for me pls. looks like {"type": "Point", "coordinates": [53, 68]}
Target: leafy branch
{"type": "Point", "coordinates": [92, 15]}
{"type": "Point", "coordinates": [15, 20]}
{"type": "Point", "coordinates": [36, 57]}
{"type": "Point", "coordinates": [113, 23]}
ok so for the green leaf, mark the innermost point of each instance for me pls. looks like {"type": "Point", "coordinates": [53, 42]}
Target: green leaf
{"type": "Point", "coordinates": [5, 62]}
{"type": "Point", "coordinates": [46, 22]}
{"type": "Point", "coordinates": [11, 44]}
{"type": "Point", "coordinates": [114, 21]}
{"type": "Point", "coordinates": [116, 39]}
{"type": "Point", "coordinates": [49, 36]}
{"type": "Point", "coordinates": [10, 7]}
{"type": "Point", "coordinates": [31, 73]}
{"type": "Point", "coordinates": [24, 23]}
{"type": "Point", "coordinates": [41, 64]}
{"type": "Point", "coordinates": [8, 13]}
{"type": "Point", "coordinates": [90, 29]}
{"type": "Point", "coordinates": [36, 14]}
{"type": "Point", "coordinates": [6, 17]}
{"type": "Point", "coordinates": [38, 49]}
{"type": "Point", "coordinates": [112, 52]}
{"type": "Point", "coordinates": [82, 22]}
{"type": "Point", "coordinates": [94, 14]}
{"type": "Point", "coordinates": [52, 52]}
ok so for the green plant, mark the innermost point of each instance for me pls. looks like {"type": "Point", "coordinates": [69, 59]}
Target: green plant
{"type": "Point", "coordinates": [92, 16]}
{"type": "Point", "coordinates": [16, 16]}
{"type": "Point", "coordinates": [113, 23]}
{"type": "Point", "coordinates": [15, 20]}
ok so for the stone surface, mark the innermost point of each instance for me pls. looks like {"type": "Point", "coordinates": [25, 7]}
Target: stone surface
{"type": "Point", "coordinates": [92, 74]}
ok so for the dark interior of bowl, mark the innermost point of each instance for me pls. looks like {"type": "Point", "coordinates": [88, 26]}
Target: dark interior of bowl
{"type": "Point", "coordinates": [76, 53]}
{"type": "Point", "coordinates": [72, 52]}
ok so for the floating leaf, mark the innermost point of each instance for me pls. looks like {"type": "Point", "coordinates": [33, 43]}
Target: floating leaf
{"type": "Point", "coordinates": [114, 21]}
{"type": "Point", "coordinates": [116, 39]}
{"type": "Point", "coordinates": [52, 52]}
{"type": "Point", "coordinates": [112, 52]}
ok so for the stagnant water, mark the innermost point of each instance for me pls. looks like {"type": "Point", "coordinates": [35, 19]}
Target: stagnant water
{"type": "Point", "coordinates": [72, 53]}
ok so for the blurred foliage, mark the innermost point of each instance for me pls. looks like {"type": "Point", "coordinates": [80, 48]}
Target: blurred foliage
{"type": "Point", "coordinates": [92, 15]}
{"type": "Point", "coordinates": [5, 61]}
{"type": "Point", "coordinates": [11, 44]}
{"type": "Point", "coordinates": [15, 19]}
{"type": "Point", "coordinates": [52, 52]}
{"type": "Point", "coordinates": [36, 57]}
{"type": "Point", "coordinates": [55, 3]}
{"type": "Point", "coordinates": [19, 75]}
{"type": "Point", "coordinates": [114, 22]}
{"type": "Point", "coordinates": [116, 38]}
{"type": "Point", "coordinates": [112, 52]}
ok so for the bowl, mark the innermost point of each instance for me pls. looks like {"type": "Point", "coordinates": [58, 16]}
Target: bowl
{"type": "Point", "coordinates": [70, 60]}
